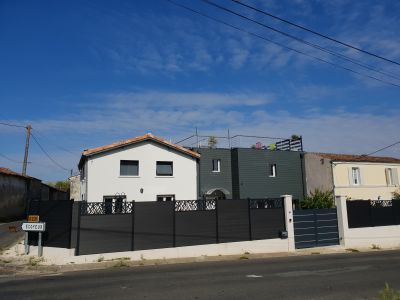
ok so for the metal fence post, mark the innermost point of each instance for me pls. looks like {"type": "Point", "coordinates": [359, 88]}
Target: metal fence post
{"type": "Point", "coordinates": [249, 216]}
{"type": "Point", "coordinates": [70, 224]}
{"type": "Point", "coordinates": [133, 226]}
{"type": "Point", "coordinates": [216, 222]}
{"type": "Point", "coordinates": [173, 225]}
{"type": "Point", "coordinates": [78, 229]}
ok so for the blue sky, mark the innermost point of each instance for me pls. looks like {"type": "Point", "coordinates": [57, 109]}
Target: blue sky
{"type": "Point", "coordinates": [87, 73]}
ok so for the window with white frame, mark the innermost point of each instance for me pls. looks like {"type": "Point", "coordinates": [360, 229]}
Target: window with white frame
{"type": "Point", "coordinates": [164, 168]}
{"type": "Point", "coordinates": [216, 165]}
{"type": "Point", "coordinates": [129, 168]}
{"type": "Point", "coordinates": [272, 170]}
{"type": "Point", "coordinates": [391, 176]}
{"type": "Point", "coordinates": [355, 176]}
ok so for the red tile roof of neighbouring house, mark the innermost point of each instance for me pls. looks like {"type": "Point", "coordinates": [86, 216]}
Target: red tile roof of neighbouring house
{"type": "Point", "coordinates": [7, 171]}
{"type": "Point", "coordinates": [358, 158]}
{"type": "Point", "coordinates": [145, 137]}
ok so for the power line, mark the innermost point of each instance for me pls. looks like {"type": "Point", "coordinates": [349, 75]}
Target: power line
{"type": "Point", "coordinates": [47, 154]}
{"type": "Point", "coordinates": [320, 48]}
{"type": "Point", "coordinates": [279, 44]}
{"type": "Point", "coordinates": [10, 159]}
{"type": "Point", "coordinates": [384, 148]}
{"type": "Point", "coordinates": [315, 32]}
{"type": "Point", "coordinates": [55, 144]}
{"type": "Point", "coordinates": [12, 125]}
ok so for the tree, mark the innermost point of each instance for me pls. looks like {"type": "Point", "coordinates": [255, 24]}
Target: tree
{"type": "Point", "coordinates": [295, 137]}
{"type": "Point", "coordinates": [319, 199]}
{"type": "Point", "coordinates": [61, 185]}
{"type": "Point", "coordinates": [212, 142]}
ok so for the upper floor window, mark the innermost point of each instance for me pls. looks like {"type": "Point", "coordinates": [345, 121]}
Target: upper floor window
{"type": "Point", "coordinates": [129, 168]}
{"type": "Point", "coordinates": [355, 176]}
{"type": "Point", "coordinates": [216, 165]}
{"type": "Point", "coordinates": [391, 176]}
{"type": "Point", "coordinates": [272, 170]}
{"type": "Point", "coordinates": [164, 168]}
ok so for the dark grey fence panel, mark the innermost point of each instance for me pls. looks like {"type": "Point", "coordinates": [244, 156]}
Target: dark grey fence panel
{"type": "Point", "coordinates": [57, 215]}
{"type": "Point", "coordinates": [266, 223]}
{"type": "Point", "coordinates": [396, 211]}
{"type": "Point", "coordinates": [195, 228]}
{"type": "Point", "coordinates": [358, 213]}
{"type": "Point", "coordinates": [369, 213]}
{"type": "Point", "coordinates": [74, 224]}
{"type": "Point", "coordinates": [154, 225]}
{"type": "Point", "coordinates": [382, 216]}
{"type": "Point", "coordinates": [105, 233]}
{"type": "Point", "coordinates": [233, 221]}
{"type": "Point", "coordinates": [315, 227]}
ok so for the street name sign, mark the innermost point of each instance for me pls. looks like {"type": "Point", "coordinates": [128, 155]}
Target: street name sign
{"type": "Point", "coordinates": [39, 227]}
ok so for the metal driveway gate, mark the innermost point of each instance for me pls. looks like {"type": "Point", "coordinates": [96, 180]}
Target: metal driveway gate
{"type": "Point", "coordinates": [315, 228]}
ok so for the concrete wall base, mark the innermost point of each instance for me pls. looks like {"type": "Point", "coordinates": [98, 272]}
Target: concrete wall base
{"type": "Point", "coordinates": [61, 256]}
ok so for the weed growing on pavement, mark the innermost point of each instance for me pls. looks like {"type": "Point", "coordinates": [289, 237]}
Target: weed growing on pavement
{"type": "Point", "coordinates": [388, 293]}
{"type": "Point", "coordinates": [375, 247]}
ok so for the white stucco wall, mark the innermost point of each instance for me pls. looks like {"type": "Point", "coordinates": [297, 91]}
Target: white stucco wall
{"type": "Point", "coordinates": [373, 180]}
{"type": "Point", "coordinates": [103, 174]}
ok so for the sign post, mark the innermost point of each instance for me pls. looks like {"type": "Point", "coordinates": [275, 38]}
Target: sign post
{"type": "Point", "coordinates": [36, 227]}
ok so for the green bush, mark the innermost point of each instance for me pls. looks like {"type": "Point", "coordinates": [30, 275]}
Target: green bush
{"type": "Point", "coordinates": [319, 199]}
{"type": "Point", "coordinates": [396, 195]}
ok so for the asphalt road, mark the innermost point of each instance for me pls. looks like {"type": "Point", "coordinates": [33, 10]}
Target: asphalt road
{"type": "Point", "coordinates": [333, 276]}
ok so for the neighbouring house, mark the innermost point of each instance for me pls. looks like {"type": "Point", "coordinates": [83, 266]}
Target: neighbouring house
{"type": "Point", "coordinates": [353, 176]}
{"type": "Point", "coordinates": [144, 168]}
{"type": "Point", "coordinates": [75, 187]}
{"type": "Point", "coordinates": [16, 190]}
{"type": "Point", "coordinates": [241, 173]}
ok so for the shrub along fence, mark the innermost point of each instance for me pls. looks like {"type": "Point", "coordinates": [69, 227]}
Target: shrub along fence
{"type": "Point", "coordinates": [102, 227]}
{"type": "Point", "coordinates": [370, 213]}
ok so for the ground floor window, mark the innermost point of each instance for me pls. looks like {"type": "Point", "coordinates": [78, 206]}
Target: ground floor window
{"type": "Point", "coordinates": [161, 198]}
{"type": "Point", "coordinates": [113, 204]}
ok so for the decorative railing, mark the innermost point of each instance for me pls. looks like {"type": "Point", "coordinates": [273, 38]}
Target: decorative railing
{"type": "Point", "coordinates": [381, 203]}
{"type": "Point", "coordinates": [266, 203]}
{"type": "Point", "coordinates": [194, 205]}
{"type": "Point", "coordinates": [105, 208]}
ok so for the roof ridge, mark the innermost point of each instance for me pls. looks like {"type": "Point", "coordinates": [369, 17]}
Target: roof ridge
{"type": "Point", "coordinates": [147, 136]}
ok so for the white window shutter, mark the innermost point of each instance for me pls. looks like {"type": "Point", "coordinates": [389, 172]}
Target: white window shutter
{"type": "Point", "coordinates": [361, 179]}
{"type": "Point", "coordinates": [350, 170]}
{"type": "Point", "coordinates": [395, 176]}
{"type": "Point", "coordinates": [387, 176]}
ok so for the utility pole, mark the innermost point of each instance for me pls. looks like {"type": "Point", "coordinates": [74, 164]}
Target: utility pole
{"type": "Point", "coordinates": [28, 135]}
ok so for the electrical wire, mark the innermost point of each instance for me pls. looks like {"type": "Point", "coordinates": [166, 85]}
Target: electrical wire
{"type": "Point", "coordinates": [10, 159]}
{"type": "Point", "coordinates": [316, 33]}
{"type": "Point", "coordinates": [47, 154]}
{"type": "Point", "coordinates": [381, 149]}
{"type": "Point", "coordinates": [13, 125]}
{"type": "Point", "coordinates": [55, 144]}
{"type": "Point", "coordinates": [315, 46]}
{"type": "Point", "coordinates": [279, 44]}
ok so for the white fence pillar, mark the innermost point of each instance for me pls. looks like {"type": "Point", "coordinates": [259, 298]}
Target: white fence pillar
{"type": "Point", "coordinates": [343, 224]}
{"type": "Point", "coordinates": [287, 199]}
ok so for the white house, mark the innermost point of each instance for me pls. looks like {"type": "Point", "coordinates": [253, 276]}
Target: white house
{"type": "Point", "coordinates": [144, 168]}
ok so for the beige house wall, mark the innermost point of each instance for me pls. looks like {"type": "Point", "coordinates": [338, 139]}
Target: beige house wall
{"type": "Point", "coordinates": [373, 180]}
